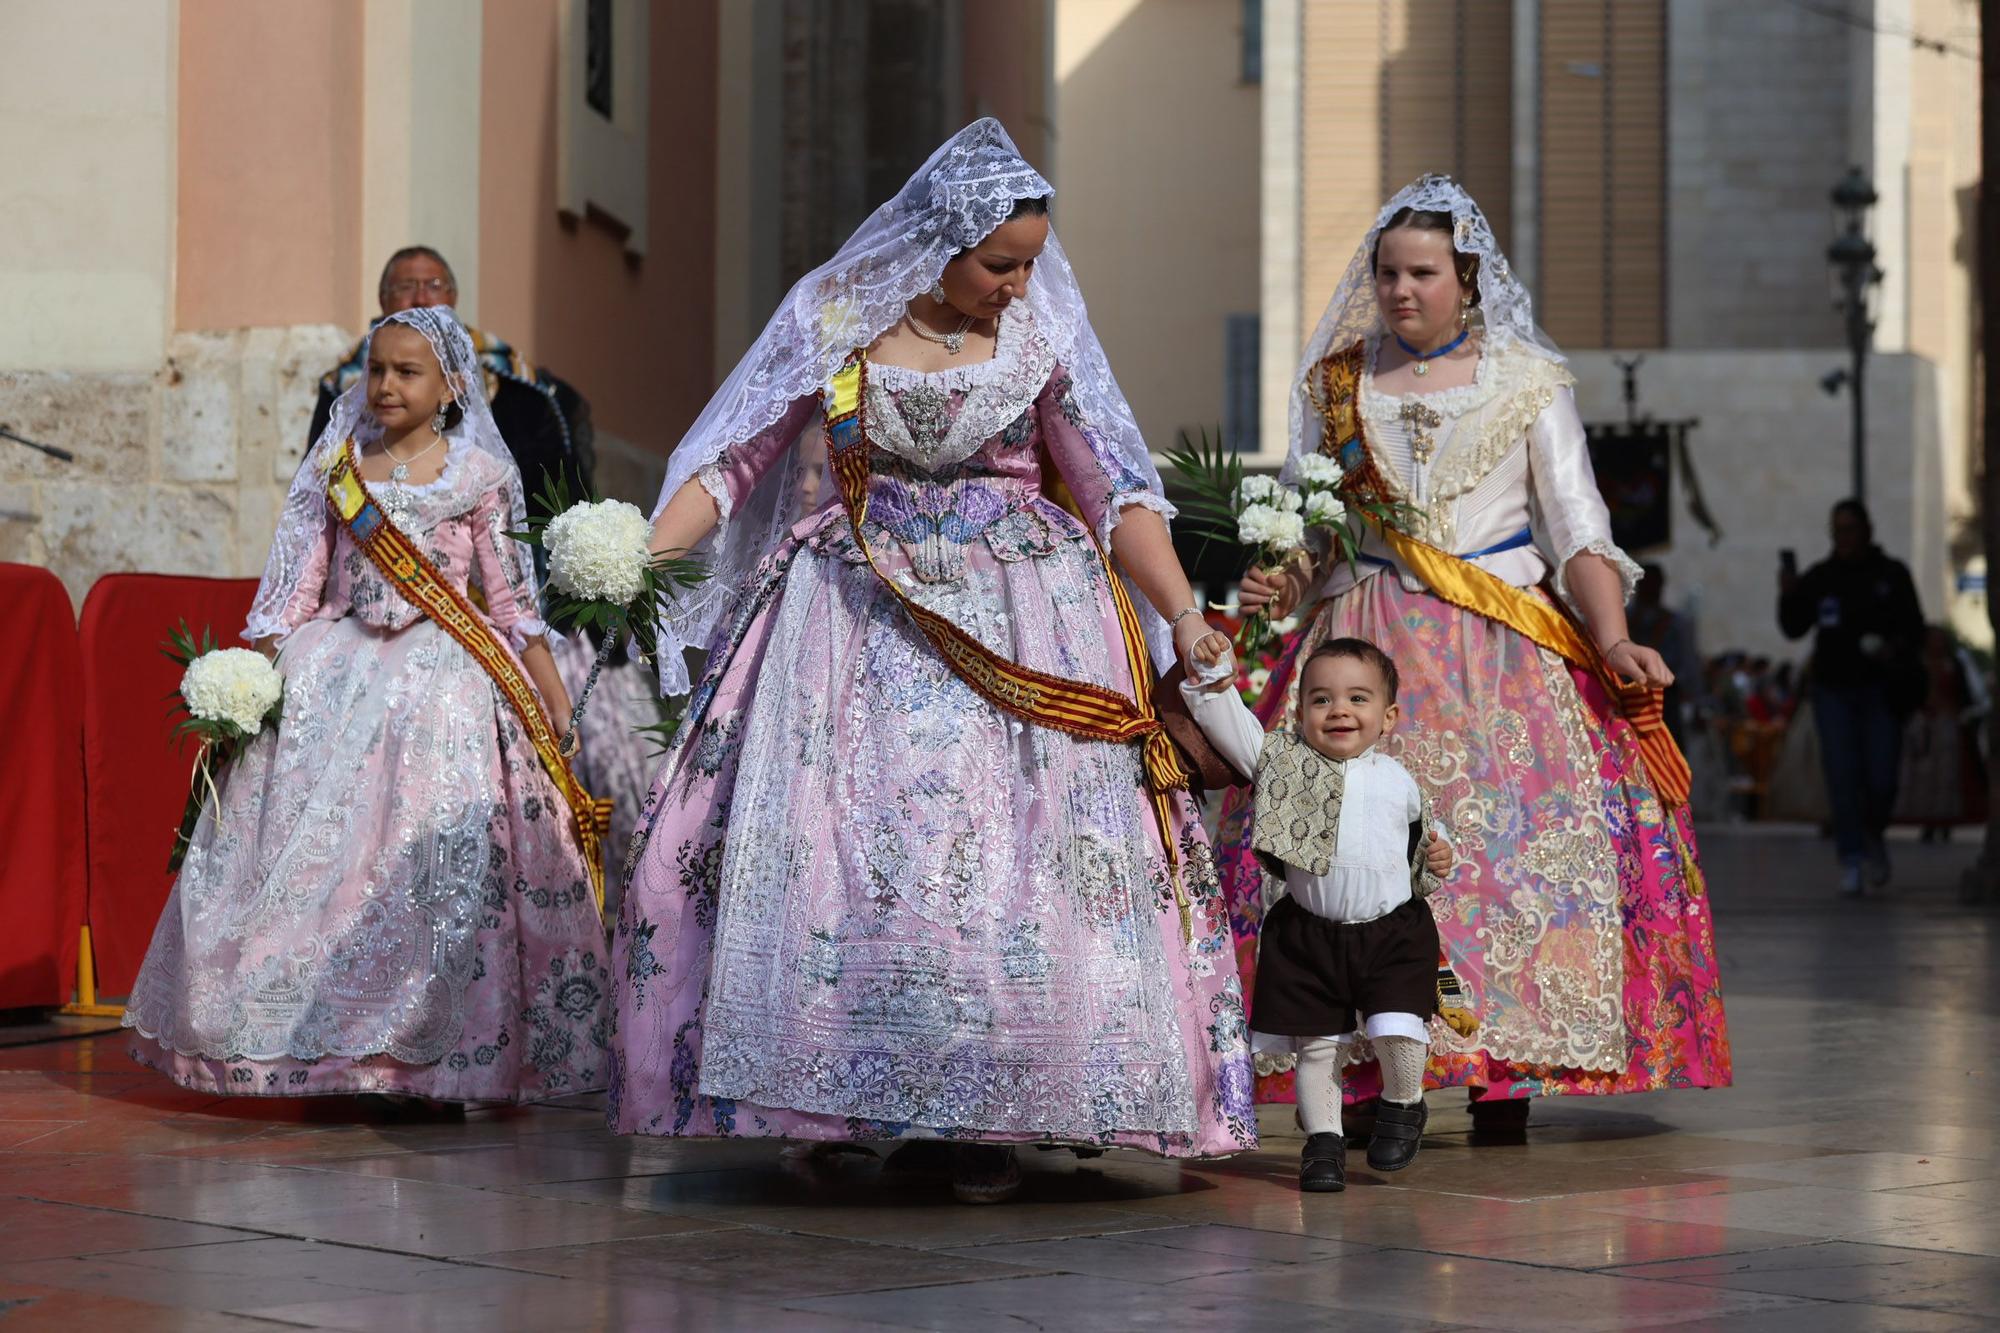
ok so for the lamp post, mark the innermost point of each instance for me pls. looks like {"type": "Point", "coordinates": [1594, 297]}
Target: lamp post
{"type": "Point", "coordinates": [1855, 276]}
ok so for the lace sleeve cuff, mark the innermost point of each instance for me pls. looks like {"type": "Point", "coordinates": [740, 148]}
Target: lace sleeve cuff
{"type": "Point", "coordinates": [523, 630]}
{"type": "Point", "coordinates": [714, 479]}
{"type": "Point", "coordinates": [1114, 512]}
{"type": "Point", "coordinates": [1628, 569]}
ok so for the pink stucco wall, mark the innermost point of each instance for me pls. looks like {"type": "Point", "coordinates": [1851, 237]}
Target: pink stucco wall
{"type": "Point", "coordinates": [269, 221]}
{"type": "Point", "coordinates": [633, 335]}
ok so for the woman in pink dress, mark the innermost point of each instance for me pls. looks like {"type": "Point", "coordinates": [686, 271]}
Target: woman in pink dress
{"type": "Point", "coordinates": [389, 895]}
{"type": "Point", "coordinates": [1578, 918]}
{"type": "Point", "coordinates": [877, 898]}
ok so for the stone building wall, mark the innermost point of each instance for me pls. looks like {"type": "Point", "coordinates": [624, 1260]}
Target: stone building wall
{"type": "Point", "coordinates": [180, 471]}
{"type": "Point", "coordinates": [183, 471]}
{"type": "Point", "coordinates": [1772, 455]}
{"type": "Point", "coordinates": [1758, 107]}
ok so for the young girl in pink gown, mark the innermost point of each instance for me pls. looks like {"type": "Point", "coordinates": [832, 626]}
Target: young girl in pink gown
{"type": "Point", "coordinates": [389, 895]}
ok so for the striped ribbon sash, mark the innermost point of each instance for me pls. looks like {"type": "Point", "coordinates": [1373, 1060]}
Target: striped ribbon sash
{"type": "Point", "coordinates": [1076, 708]}
{"type": "Point", "coordinates": [413, 575]}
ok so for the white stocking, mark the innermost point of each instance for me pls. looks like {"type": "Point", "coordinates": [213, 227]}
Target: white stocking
{"type": "Point", "coordinates": [1403, 1061]}
{"type": "Point", "coordinates": [1318, 1084]}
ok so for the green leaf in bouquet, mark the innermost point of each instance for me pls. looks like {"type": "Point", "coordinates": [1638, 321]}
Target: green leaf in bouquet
{"type": "Point", "coordinates": [553, 500]}
{"type": "Point", "coordinates": [1212, 475]}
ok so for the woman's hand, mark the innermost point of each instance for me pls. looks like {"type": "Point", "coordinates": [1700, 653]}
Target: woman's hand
{"type": "Point", "coordinates": [1276, 592]}
{"type": "Point", "coordinates": [1637, 662]}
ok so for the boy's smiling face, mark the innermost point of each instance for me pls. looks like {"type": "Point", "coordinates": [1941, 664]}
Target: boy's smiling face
{"type": "Point", "coordinates": [1344, 706]}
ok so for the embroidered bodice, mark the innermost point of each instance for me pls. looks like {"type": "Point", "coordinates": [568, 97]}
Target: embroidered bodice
{"type": "Point", "coordinates": [460, 521]}
{"type": "Point", "coordinates": [956, 459]}
{"type": "Point", "coordinates": [1482, 462]}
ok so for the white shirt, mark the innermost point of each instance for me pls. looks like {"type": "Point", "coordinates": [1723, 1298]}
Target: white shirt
{"type": "Point", "coordinates": [1370, 874]}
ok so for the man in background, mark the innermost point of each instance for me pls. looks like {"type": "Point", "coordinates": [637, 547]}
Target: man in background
{"type": "Point", "coordinates": [545, 422]}
{"type": "Point", "coordinates": [1867, 677]}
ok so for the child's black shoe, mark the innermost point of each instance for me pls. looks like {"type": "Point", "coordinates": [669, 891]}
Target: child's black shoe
{"type": "Point", "coordinates": [1323, 1164]}
{"type": "Point", "coordinates": [1398, 1132]}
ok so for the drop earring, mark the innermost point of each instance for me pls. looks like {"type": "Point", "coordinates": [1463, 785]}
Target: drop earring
{"type": "Point", "coordinates": [438, 419]}
{"type": "Point", "coordinates": [937, 291]}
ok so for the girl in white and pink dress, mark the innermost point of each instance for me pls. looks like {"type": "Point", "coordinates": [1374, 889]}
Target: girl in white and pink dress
{"type": "Point", "coordinates": [389, 895]}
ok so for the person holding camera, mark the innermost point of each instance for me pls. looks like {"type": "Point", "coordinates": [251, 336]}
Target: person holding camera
{"type": "Point", "coordinates": [1867, 677]}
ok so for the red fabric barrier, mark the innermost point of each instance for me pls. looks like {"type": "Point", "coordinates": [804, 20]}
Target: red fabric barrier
{"type": "Point", "coordinates": [41, 790]}
{"type": "Point", "coordinates": [135, 774]}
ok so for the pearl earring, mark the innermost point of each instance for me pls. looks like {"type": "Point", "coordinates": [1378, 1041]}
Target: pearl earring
{"type": "Point", "coordinates": [438, 420]}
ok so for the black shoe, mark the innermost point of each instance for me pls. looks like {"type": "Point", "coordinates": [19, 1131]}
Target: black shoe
{"type": "Point", "coordinates": [1499, 1120]}
{"type": "Point", "coordinates": [984, 1172]}
{"type": "Point", "coordinates": [1323, 1164]}
{"type": "Point", "coordinates": [920, 1156]}
{"type": "Point", "coordinates": [1398, 1132]}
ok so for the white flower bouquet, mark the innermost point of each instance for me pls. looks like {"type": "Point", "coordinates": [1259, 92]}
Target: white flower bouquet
{"type": "Point", "coordinates": [227, 695]}
{"type": "Point", "coordinates": [603, 575]}
{"type": "Point", "coordinates": [1268, 518]}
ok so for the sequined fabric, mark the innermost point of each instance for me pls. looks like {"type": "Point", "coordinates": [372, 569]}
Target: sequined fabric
{"type": "Point", "coordinates": [388, 896]}
{"type": "Point", "coordinates": [868, 904]}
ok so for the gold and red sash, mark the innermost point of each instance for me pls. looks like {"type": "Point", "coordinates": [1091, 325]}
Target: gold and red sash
{"type": "Point", "coordinates": [413, 575]}
{"type": "Point", "coordinates": [1334, 386]}
{"type": "Point", "coordinates": [1076, 708]}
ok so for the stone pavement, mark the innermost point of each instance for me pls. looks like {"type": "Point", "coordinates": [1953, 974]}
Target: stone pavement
{"type": "Point", "coordinates": [1851, 1180]}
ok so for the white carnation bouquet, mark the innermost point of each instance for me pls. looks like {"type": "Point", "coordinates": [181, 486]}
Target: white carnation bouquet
{"type": "Point", "coordinates": [228, 695]}
{"type": "Point", "coordinates": [1271, 520]}
{"type": "Point", "coordinates": [603, 575]}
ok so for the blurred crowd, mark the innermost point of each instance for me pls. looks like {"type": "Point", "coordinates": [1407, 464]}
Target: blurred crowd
{"type": "Point", "coordinates": [1746, 722]}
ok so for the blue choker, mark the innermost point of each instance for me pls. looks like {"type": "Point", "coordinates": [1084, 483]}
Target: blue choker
{"type": "Point", "coordinates": [1423, 359]}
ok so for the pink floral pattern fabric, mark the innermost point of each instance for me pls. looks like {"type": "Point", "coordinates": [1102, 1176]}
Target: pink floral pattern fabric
{"type": "Point", "coordinates": [866, 903]}
{"type": "Point", "coordinates": [388, 896]}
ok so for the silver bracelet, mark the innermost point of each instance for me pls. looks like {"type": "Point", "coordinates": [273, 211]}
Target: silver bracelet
{"type": "Point", "coordinates": [1179, 616]}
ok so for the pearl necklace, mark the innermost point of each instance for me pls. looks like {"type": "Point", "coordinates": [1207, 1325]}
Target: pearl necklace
{"type": "Point", "coordinates": [953, 342]}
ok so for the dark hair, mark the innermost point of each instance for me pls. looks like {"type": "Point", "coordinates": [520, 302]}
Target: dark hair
{"type": "Point", "coordinates": [414, 252]}
{"type": "Point", "coordinates": [1035, 206]}
{"type": "Point", "coordinates": [1431, 219]}
{"type": "Point", "coordinates": [1855, 509]}
{"type": "Point", "coordinates": [1361, 651]}
{"type": "Point", "coordinates": [453, 415]}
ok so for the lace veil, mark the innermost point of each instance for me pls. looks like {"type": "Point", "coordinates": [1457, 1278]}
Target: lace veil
{"type": "Point", "coordinates": [305, 512]}
{"type": "Point", "coordinates": [1504, 312]}
{"type": "Point", "coordinates": [969, 186]}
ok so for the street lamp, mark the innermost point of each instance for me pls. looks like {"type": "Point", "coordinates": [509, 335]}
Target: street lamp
{"type": "Point", "coordinates": [1855, 276]}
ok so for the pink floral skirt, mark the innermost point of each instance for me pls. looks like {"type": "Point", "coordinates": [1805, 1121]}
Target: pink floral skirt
{"type": "Point", "coordinates": [868, 905]}
{"type": "Point", "coordinates": [1577, 916]}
